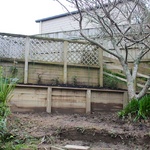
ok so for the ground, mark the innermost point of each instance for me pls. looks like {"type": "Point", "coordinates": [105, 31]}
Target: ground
{"type": "Point", "coordinates": [96, 130]}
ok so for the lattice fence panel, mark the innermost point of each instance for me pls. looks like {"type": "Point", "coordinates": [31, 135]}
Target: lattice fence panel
{"type": "Point", "coordinates": [12, 47]}
{"type": "Point", "coordinates": [46, 50]}
{"type": "Point", "coordinates": [83, 54]}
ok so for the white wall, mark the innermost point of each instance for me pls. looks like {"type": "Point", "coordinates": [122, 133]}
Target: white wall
{"type": "Point", "coordinates": [66, 23]}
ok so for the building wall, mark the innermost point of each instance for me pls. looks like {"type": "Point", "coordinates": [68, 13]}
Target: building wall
{"type": "Point", "coordinates": [61, 24]}
{"type": "Point", "coordinates": [68, 23]}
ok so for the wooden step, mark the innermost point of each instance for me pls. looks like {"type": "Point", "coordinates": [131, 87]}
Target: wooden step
{"type": "Point", "coordinates": [76, 147]}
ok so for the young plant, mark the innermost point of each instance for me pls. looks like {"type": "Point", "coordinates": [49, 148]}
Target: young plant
{"type": "Point", "coordinates": [74, 79]}
{"type": "Point", "coordinates": [13, 70]}
{"type": "Point", "coordinates": [55, 81]}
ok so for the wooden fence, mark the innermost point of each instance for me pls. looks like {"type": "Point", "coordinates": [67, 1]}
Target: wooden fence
{"type": "Point", "coordinates": [25, 51]}
{"type": "Point", "coordinates": [66, 100]}
{"type": "Point", "coordinates": [45, 61]}
{"type": "Point", "coordinates": [92, 32]}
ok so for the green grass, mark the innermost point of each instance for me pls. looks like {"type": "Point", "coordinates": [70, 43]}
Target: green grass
{"type": "Point", "coordinates": [12, 146]}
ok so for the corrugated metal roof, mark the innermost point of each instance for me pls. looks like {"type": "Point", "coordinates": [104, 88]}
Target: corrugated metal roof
{"type": "Point", "coordinates": [57, 16]}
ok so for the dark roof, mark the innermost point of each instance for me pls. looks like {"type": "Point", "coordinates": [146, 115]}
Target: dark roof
{"type": "Point", "coordinates": [67, 14]}
{"type": "Point", "coordinates": [57, 16]}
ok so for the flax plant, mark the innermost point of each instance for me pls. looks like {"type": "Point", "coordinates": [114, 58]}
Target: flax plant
{"type": "Point", "coordinates": [6, 88]}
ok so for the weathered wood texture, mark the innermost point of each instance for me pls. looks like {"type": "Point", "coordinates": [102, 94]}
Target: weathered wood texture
{"type": "Point", "coordinates": [50, 73]}
{"type": "Point", "coordinates": [45, 73]}
{"type": "Point", "coordinates": [52, 61]}
{"type": "Point", "coordinates": [106, 100]}
{"type": "Point", "coordinates": [65, 100]}
{"type": "Point", "coordinates": [29, 99]}
{"type": "Point", "coordinates": [83, 75]}
{"type": "Point", "coordinates": [8, 69]}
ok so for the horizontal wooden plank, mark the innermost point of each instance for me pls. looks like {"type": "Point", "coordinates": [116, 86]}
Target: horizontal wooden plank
{"type": "Point", "coordinates": [122, 79]}
{"type": "Point", "coordinates": [102, 107]}
{"type": "Point", "coordinates": [36, 91]}
{"type": "Point", "coordinates": [29, 96]}
{"type": "Point", "coordinates": [61, 104]}
{"type": "Point", "coordinates": [69, 93]}
{"type": "Point", "coordinates": [29, 103]}
{"type": "Point", "coordinates": [142, 75]}
{"type": "Point", "coordinates": [103, 97]}
{"type": "Point", "coordinates": [69, 99]}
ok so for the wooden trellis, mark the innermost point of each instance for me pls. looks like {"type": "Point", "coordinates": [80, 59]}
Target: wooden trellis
{"type": "Point", "coordinates": [35, 49]}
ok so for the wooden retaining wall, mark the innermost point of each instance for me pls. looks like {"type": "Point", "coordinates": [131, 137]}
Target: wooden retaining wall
{"type": "Point", "coordinates": [49, 73]}
{"type": "Point", "coordinates": [27, 98]}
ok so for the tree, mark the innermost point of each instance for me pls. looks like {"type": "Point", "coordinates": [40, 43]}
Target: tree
{"type": "Point", "coordinates": [125, 24]}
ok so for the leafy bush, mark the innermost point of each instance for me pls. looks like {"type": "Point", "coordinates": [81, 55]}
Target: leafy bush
{"type": "Point", "coordinates": [132, 109]}
{"type": "Point", "coordinates": [110, 82]}
{"type": "Point", "coordinates": [6, 88]}
{"type": "Point", "coordinates": [144, 107]}
{"type": "Point", "coordinates": [139, 109]}
{"type": "Point", "coordinates": [8, 141]}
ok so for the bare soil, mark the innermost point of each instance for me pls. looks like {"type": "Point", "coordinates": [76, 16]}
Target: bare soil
{"type": "Point", "coordinates": [96, 130]}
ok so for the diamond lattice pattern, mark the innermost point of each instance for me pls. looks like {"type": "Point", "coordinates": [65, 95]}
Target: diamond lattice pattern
{"type": "Point", "coordinates": [46, 50]}
{"type": "Point", "coordinates": [12, 47]}
{"type": "Point", "coordinates": [85, 54]}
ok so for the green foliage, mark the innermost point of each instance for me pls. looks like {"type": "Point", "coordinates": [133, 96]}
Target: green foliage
{"type": "Point", "coordinates": [139, 109]}
{"type": "Point", "coordinates": [132, 109]}
{"type": "Point", "coordinates": [6, 88]}
{"type": "Point", "coordinates": [144, 107]}
{"type": "Point", "coordinates": [110, 82]}
{"type": "Point", "coordinates": [74, 78]}
{"type": "Point", "coordinates": [13, 70]}
{"type": "Point", "coordinates": [55, 81]}
{"type": "Point", "coordinates": [12, 146]}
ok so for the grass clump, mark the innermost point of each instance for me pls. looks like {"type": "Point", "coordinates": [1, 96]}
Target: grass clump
{"type": "Point", "coordinates": [137, 109]}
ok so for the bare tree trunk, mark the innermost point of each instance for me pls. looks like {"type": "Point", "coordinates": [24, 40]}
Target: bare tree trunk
{"type": "Point", "coordinates": [108, 17]}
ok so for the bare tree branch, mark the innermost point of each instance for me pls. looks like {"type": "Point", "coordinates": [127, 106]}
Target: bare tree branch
{"type": "Point", "coordinates": [125, 24]}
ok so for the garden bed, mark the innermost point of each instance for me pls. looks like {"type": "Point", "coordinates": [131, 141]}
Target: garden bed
{"type": "Point", "coordinates": [96, 130]}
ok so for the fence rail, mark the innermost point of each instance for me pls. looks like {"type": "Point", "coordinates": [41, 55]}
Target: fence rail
{"type": "Point", "coordinates": [44, 49]}
{"type": "Point", "coordinates": [37, 49]}
{"type": "Point", "coordinates": [66, 52]}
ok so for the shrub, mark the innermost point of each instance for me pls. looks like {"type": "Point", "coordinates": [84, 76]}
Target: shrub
{"type": "Point", "coordinates": [132, 109]}
{"type": "Point", "coordinates": [139, 109]}
{"type": "Point", "coordinates": [144, 107]}
{"type": "Point", "coordinates": [6, 88]}
{"type": "Point", "coordinates": [110, 82]}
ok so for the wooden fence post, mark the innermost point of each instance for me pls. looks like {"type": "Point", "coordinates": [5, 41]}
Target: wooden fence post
{"type": "Point", "coordinates": [100, 67]}
{"type": "Point", "coordinates": [88, 101]}
{"type": "Point", "coordinates": [27, 46]}
{"type": "Point", "coordinates": [65, 61]}
{"type": "Point", "coordinates": [49, 100]}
